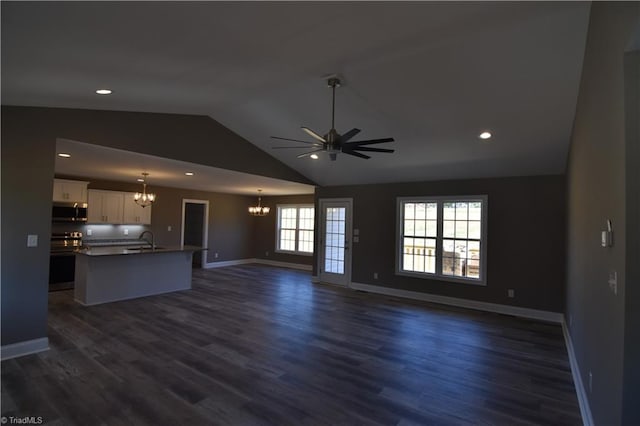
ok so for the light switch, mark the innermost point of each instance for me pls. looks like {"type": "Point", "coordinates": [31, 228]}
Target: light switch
{"type": "Point", "coordinates": [356, 231]}
{"type": "Point", "coordinates": [169, 228]}
{"type": "Point", "coordinates": [32, 241]}
{"type": "Point", "coordinates": [126, 231]}
{"type": "Point", "coordinates": [356, 239]}
{"type": "Point", "coordinates": [89, 232]}
{"type": "Point", "coordinates": [613, 281]}
{"type": "Point", "coordinates": [606, 238]}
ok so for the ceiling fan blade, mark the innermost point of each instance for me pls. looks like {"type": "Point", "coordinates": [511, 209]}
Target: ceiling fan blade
{"type": "Point", "coordinates": [366, 149]}
{"type": "Point", "coordinates": [313, 134]}
{"type": "Point", "coordinates": [294, 147]}
{"type": "Point", "coordinates": [306, 154]}
{"type": "Point", "coordinates": [292, 140]}
{"type": "Point", "coordinates": [351, 133]}
{"type": "Point", "coordinates": [356, 154]}
{"type": "Point", "coordinates": [370, 142]}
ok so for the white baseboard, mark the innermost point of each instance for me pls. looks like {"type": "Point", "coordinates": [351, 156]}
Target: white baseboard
{"type": "Point", "coordinates": [222, 264]}
{"type": "Point", "coordinates": [27, 347]}
{"type": "Point", "coordinates": [583, 401]}
{"type": "Point", "coordinates": [463, 303]}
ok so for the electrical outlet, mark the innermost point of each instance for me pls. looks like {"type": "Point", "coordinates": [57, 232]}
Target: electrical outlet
{"type": "Point", "coordinates": [590, 382]}
{"type": "Point", "coordinates": [266, 253]}
{"type": "Point", "coordinates": [89, 232]}
{"type": "Point", "coordinates": [613, 282]}
{"type": "Point", "coordinates": [126, 231]}
{"type": "Point", "coordinates": [32, 241]}
{"type": "Point", "coordinates": [169, 228]}
{"type": "Point", "coordinates": [375, 275]}
{"type": "Point", "coordinates": [511, 293]}
{"type": "Point", "coordinates": [215, 255]}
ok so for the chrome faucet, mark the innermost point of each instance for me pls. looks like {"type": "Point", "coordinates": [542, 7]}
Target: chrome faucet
{"type": "Point", "coordinates": [152, 243]}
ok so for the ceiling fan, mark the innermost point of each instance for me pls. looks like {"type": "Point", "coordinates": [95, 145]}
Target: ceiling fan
{"type": "Point", "coordinates": [333, 143]}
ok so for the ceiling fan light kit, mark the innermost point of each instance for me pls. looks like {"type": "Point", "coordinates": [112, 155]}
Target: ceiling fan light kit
{"type": "Point", "coordinates": [333, 142]}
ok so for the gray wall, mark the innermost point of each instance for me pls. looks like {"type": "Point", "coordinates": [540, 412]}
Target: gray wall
{"type": "Point", "coordinates": [265, 230]}
{"type": "Point", "coordinates": [631, 372]}
{"type": "Point", "coordinates": [596, 191]}
{"type": "Point", "coordinates": [230, 226]}
{"type": "Point", "coordinates": [27, 188]}
{"type": "Point", "coordinates": [28, 158]}
{"type": "Point", "coordinates": [526, 238]}
{"type": "Point", "coordinates": [233, 233]}
{"type": "Point", "coordinates": [192, 138]}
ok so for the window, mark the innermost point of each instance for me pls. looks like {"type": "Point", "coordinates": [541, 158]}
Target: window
{"type": "Point", "coordinates": [295, 229]}
{"type": "Point", "coordinates": [443, 237]}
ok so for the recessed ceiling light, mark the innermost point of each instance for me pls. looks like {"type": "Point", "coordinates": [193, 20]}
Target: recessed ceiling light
{"type": "Point", "coordinates": [314, 156]}
{"type": "Point", "coordinates": [485, 135]}
{"type": "Point", "coordinates": [64, 155]}
{"type": "Point", "coordinates": [188, 173]}
{"type": "Point", "coordinates": [103, 92]}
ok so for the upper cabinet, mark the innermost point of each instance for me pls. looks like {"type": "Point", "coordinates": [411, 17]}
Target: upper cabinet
{"type": "Point", "coordinates": [134, 213]}
{"type": "Point", "coordinates": [116, 208]}
{"type": "Point", "coordinates": [105, 206]}
{"type": "Point", "coordinates": [70, 190]}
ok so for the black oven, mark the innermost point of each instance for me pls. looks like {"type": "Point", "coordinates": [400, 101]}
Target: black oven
{"type": "Point", "coordinates": [69, 212]}
{"type": "Point", "coordinates": [62, 262]}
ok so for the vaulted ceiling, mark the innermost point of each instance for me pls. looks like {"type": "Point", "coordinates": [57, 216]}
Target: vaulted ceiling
{"type": "Point", "coordinates": [430, 75]}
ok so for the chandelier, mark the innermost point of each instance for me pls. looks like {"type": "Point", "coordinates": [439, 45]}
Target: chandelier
{"type": "Point", "coordinates": [143, 198]}
{"type": "Point", "coordinates": [259, 210]}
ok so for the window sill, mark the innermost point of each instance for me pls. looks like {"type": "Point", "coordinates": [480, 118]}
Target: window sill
{"type": "Point", "coordinates": [449, 278]}
{"type": "Point", "coordinates": [297, 253]}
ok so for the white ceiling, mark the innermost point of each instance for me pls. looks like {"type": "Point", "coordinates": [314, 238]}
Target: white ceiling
{"type": "Point", "coordinates": [431, 75]}
{"type": "Point", "coordinates": [98, 162]}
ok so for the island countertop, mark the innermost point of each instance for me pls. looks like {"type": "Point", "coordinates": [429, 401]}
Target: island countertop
{"type": "Point", "coordinates": [131, 250]}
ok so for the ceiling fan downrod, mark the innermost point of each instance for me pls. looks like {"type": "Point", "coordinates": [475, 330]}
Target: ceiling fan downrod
{"type": "Point", "coordinates": [333, 82]}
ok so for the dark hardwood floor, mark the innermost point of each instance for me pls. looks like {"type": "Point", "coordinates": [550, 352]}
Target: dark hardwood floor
{"type": "Point", "coordinates": [257, 345]}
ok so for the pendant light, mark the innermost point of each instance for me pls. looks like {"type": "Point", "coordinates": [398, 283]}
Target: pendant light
{"type": "Point", "coordinates": [144, 198]}
{"type": "Point", "coordinates": [259, 210]}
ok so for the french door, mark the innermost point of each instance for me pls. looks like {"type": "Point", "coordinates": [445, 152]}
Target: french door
{"type": "Point", "coordinates": [335, 241]}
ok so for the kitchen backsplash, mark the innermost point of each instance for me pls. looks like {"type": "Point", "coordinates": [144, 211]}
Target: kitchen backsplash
{"type": "Point", "coordinates": [101, 231]}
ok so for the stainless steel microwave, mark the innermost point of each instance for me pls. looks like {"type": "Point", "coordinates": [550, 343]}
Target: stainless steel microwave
{"type": "Point", "coordinates": [69, 212]}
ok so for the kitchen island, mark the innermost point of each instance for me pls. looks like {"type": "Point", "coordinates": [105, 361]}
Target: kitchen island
{"type": "Point", "coordinates": [108, 274]}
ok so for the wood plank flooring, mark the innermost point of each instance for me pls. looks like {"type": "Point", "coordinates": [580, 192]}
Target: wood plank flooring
{"type": "Point", "coordinates": [258, 345]}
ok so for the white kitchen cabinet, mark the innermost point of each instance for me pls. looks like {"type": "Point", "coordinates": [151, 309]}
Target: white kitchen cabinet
{"type": "Point", "coordinates": [73, 191]}
{"type": "Point", "coordinates": [134, 213]}
{"type": "Point", "coordinates": [105, 207]}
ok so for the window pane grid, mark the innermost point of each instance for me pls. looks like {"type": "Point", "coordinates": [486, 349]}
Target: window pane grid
{"type": "Point", "coordinates": [419, 252]}
{"type": "Point", "coordinates": [295, 229]}
{"type": "Point", "coordinates": [334, 240]}
{"type": "Point", "coordinates": [457, 250]}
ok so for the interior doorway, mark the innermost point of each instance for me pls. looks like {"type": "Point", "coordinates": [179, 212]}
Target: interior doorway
{"type": "Point", "coordinates": [195, 228]}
